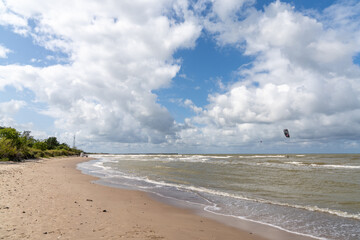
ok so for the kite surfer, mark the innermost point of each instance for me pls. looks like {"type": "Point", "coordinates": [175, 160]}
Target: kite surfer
{"type": "Point", "coordinates": [286, 133]}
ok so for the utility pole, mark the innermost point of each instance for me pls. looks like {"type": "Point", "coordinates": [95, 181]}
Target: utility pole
{"type": "Point", "coordinates": [74, 142]}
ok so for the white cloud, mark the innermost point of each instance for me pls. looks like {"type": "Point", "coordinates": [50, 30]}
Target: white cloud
{"type": "Point", "coordinates": [4, 51]}
{"type": "Point", "coordinates": [192, 106]}
{"type": "Point", "coordinates": [119, 52]}
{"type": "Point", "coordinates": [7, 110]}
{"type": "Point", "coordinates": [10, 18]}
{"type": "Point", "coordinates": [303, 78]}
{"type": "Point", "coordinates": [226, 10]}
{"type": "Point", "coordinates": [11, 107]}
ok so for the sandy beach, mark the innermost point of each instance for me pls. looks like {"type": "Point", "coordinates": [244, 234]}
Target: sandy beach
{"type": "Point", "coordinates": [51, 199]}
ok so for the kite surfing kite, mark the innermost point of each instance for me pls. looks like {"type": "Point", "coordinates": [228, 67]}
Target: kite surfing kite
{"type": "Point", "coordinates": [286, 133]}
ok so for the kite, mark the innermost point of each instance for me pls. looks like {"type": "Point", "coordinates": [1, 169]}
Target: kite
{"type": "Point", "coordinates": [286, 133]}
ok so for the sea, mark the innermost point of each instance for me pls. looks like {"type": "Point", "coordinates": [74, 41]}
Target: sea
{"type": "Point", "coordinates": [315, 195]}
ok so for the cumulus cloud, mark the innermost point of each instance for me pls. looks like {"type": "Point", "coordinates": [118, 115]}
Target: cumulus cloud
{"type": "Point", "coordinates": [192, 106]}
{"type": "Point", "coordinates": [226, 10]}
{"type": "Point", "coordinates": [11, 107]}
{"type": "Point", "coordinates": [8, 109]}
{"type": "Point", "coordinates": [119, 52]}
{"type": "Point", "coordinates": [303, 76]}
{"type": "Point", "coordinates": [10, 18]}
{"type": "Point", "coordinates": [4, 51]}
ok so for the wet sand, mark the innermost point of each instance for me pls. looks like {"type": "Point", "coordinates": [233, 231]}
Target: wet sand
{"type": "Point", "coordinates": [51, 199]}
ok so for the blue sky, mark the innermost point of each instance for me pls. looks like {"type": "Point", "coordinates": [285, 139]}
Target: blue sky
{"type": "Point", "coordinates": [206, 76]}
{"type": "Point", "coordinates": [201, 71]}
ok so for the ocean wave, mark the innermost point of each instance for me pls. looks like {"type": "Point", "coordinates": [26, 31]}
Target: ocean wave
{"type": "Point", "coordinates": [305, 165]}
{"type": "Point", "coordinates": [317, 165]}
{"type": "Point", "coordinates": [161, 158]}
{"type": "Point", "coordinates": [221, 157]}
{"type": "Point", "coordinates": [262, 156]}
{"type": "Point", "coordinates": [213, 159]}
{"type": "Point", "coordinates": [109, 173]}
{"type": "Point", "coordinates": [155, 183]}
{"type": "Point", "coordinates": [230, 195]}
{"type": "Point", "coordinates": [336, 166]}
{"type": "Point", "coordinates": [213, 210]}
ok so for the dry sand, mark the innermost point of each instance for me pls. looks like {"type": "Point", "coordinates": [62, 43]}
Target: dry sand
{"type": "Point", "coordinates": [51, 199]}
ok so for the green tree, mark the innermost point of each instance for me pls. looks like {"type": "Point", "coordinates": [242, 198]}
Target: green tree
{"type": "Point", "coordinates": [52, 143]}
{"type": "Point", "coordinates": [27, 139]}
{"type": "Point", "coordinates": [9, 133]}
{"type": "Point", "coordinates": [63, 146]}
{"type": "Point", "coordinates": [12, 135]}
{"type": "Point", "coordinates": [40, 145]}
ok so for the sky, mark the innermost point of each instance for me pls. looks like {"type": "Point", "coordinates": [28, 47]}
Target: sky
{"type": "Point", "coordinates": [183, 76]}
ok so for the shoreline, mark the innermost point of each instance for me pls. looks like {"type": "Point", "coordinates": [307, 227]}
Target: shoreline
{"type": "Point", "coordinates": [52, 199]}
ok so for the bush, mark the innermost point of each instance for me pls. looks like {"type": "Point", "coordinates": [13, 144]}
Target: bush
{"type": "Point", "coordinates": [35, 153]}
{"type": "Point", "coordinates": [40, 154]}
{"type": "Point", "coordinates": [7, 150]}
{"type": "Point", "coordinates": [56, 153]}
{"type": "Point", "coordinates": [63, 146]}
{"type": "Point", "coordinates": [40, 145]}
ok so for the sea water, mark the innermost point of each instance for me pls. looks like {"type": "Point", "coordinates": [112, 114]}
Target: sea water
{"type": "Point", "coordinates": [312, 195]}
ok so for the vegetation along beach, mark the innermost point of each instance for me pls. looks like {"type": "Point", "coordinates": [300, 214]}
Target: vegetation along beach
{"type": "Point", "coordinates": [17, 146]}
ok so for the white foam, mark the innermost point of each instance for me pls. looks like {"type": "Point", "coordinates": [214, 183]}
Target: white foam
{"type": "Point", "coordinates": [296, 163]}
{"type": "Point", "coordinates": [263, 156]}
{"type": "Point", "coordinates": [208, 209]}
{"type": "Point", "coordinates": [336, 166]}
{"type": "Point", "coordinates": [313, 165]}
